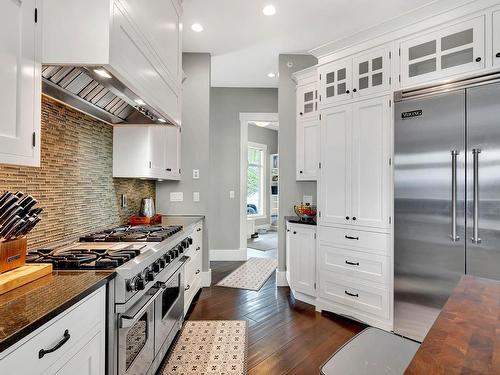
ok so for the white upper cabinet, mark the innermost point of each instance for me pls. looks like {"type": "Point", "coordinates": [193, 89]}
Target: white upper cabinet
{"type": "Point", "coordinates": [355, 175]}
{"type": "Point", "coordinates": [307, 101]}
{"type": "Point", "coordinates": [496, 38]}
{"type": "Point", "coordinates": [335, 82]}
{"type": "Point", "coordinates": [20, 75]}
{"type": "Point", "coordinates": [308, 149]}
{"type": "Point", "coordinates": [146, 151]}
{"type": "Point", "coordinates": [370, 169]}
{"type": "Point", "coordinates": [372, 72]}
{"type": "Point", "coordinates": [334, 194]}
{"type": "Point", "coordinates": [302, 262]}
{"type": "Point", "coordinates": [452, 50]}
{"type": "Point", "coordinates": [140, 45]}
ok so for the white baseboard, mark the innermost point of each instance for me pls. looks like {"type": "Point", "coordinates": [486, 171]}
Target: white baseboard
{"type": "Point", "coordinates": [281, 278]}
{"type": "Point", "coordinates": [206, 278]}
{"type": "Point", "coordinates": [304, 298]}
{"type": "Point", "coordinates": [263, 226]}
{"type": "Point", "coordinates": [234, 255]}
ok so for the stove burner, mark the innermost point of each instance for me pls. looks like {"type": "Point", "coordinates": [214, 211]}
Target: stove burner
{"type": "Point", "coordinates": [138, 233]}
{"type": "Point", "coordinates": [74, 259]}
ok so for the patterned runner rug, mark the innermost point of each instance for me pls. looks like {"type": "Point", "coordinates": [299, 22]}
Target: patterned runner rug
{"type": "Point", "coordinates": [250, 275]}
{"type": "Point", "coordinates": [209, 347]}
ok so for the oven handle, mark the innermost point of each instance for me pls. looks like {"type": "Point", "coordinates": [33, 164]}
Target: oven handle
{"type": "Point", "coordinates": [128, 321]}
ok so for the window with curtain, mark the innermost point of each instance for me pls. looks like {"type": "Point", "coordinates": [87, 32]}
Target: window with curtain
{"type": "Point", "coordinates": [256, 180]}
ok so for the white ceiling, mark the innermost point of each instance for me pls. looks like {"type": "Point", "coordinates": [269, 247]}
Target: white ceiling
{"type": "Point", "coordinates": [245, 44]}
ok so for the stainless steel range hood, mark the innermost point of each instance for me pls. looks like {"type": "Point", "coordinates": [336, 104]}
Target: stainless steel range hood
{"type": "Point", "coordinates": [96, 92]}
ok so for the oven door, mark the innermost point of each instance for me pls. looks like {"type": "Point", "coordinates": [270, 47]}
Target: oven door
{"type": "Point", "coordinates": [169, 309]}
{"type": "Point", "coordinates": [136, 335]}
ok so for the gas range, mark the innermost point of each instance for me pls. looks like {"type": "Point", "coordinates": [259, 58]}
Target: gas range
{"type": "Point", "coordinates": [137, 233]}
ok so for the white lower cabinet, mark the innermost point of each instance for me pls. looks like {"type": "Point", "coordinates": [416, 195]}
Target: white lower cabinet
{"type": "Point", "coordinates": [77, 335]}
{"type": "Point", "coordinates": [193, 268]}
{"type": "Point", "coordinates": [301, 258]}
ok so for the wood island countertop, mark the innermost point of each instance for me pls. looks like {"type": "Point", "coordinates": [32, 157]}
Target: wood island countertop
{"type": "Point", "coordinates": [24, 309]}
{"type": "Point", "coordinates": [465, 339]}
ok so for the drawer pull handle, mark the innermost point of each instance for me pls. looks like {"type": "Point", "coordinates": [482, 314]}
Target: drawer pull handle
{"type": "Point", "coordinates": [351, 237]}
{"type": "Point", "coordinates": [352, 263]}
{"type": "Point", "coordinates": [63, 341]}
{"type": "Point", "coordinates": [198, 230]}
{"type": "Point", "coordinates": [197, 272]}
{"type": "Point", "coordinates": [187, 288]}
{"type": "Point", "coordinates": [351, 294]}
{"type": "Point", "coordinates": [198, 248]}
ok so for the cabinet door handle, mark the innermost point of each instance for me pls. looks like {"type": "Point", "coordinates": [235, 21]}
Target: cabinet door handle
{"type": "Point", "coordinates": [198, 230]}
{"type": "Point", "coordinates": [497, 55]}
{"type": "Point", "coordinates": [197, 272]}
{"type": "Point", "coordinates": [347, 92]}
{"type": "Point", "coordinates": [187, 288]}
{"type": "Point", "coordinates": [351, 294]}
{"type": "Point", "coordinates": [352, 263]}
{"type": "Point", "coordinates": [347, 217]}
{"type": "Point", "coordinates": [63, 341]}
{"type": "Point", "coordinates": [351, 237]}
{"type": "Point", "coordinates": [198, 248]}
{"type": "Point", "coordinates": [294, 232]}
{"type": "Point", "coordinates": [301, 113]}
{"type": "Point", "coordinates": [169, 169]}
{"type": "Point", "coordinates": [354, 90]}
{"type": "Point", "coordinates": [478, 59]}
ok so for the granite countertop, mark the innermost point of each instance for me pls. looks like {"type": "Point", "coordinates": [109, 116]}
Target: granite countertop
{"type": "Point", "coordinates": [26, 308]}
{"type": "Point", "coordinates": [185, 220]}
{"type": "Point", "coordinates": [464, 338]}
{"type": "Point", "coordinates": [296, 220]}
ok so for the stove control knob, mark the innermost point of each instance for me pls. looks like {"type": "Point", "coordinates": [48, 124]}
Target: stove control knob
{"type": "Point", "coordinates": [130, 284]}
{"type": "Point", "coordinates": [190, 240]}
{"type": "Point", "coordinates": [150, 276]}
{"type": "Point", "coordinates": [167, 258]}
{"type": "Point", "coordinates": [180, 249]}
{"type": "Point", "coordinates": [174, 253]}
{"type": "Point", "coordinates": [156, 267]}
{"type": "Point", "coordinates": [140, 284]}
{"type": "Point", "coordinates": [162, 262]}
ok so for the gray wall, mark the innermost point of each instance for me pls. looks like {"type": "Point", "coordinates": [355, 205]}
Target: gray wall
{"type": "Point", "coordinates": [195, 146]}
{"type": "Point", "coordinates": [270, 138]}
{"type": "Point", "coordinates": [291, 191]}
{"type": "Point", "coordinates": [226, 104]}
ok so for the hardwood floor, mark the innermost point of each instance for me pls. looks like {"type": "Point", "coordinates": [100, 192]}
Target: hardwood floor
{"type": "Point", "coordinates": [285, 336]}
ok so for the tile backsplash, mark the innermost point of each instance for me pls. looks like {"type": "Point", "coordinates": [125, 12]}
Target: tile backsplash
{"type": "Point", "coordinates": [74, 184]}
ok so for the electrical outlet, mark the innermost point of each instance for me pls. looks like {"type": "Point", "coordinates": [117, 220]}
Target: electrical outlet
{"type": "Point", "coordinates": [124, 201]}
{"type": "Point", "coordinates": [196, 174]}
{"type": "Point", "coordinates": [307, 199]}
{"type": "Point", "coordinates": [196, 196]}
{"type": "Point", "coordinates": [176, 196]}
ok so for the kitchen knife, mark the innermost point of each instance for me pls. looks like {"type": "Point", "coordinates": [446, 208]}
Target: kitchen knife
{"type": "Point", "coordinates": [35, 211]}
{"type": "Point", "coordinates": [18, 224]}
{"type": "Point", "coordinates": [20, 230]}
{"type": "Point", "coordinates": [8, 203]}
{"type": "Point", "coordinates": [31, 225]}
{"type": "Point", "coordinates": [26, 209]}
{"type": "Point", "coordinates": [9, 212]}
{"type": "Point", "coordinates": [26, 200]}
{"type": "Point", "coordinates": [8, 226]}
{"type": "Point", "coordinates": [19, 194]}
{"type": "Point", "coordinates": [4, 197]}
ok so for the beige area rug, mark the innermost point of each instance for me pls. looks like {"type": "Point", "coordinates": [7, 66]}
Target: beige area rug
{"type": "Point", "coordinates": [250, 275]}
{"type": "Point", "coordinates": [209, 347]}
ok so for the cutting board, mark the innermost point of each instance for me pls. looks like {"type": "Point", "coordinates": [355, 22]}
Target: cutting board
{"type": "Point", "coordinates": [23, 275]}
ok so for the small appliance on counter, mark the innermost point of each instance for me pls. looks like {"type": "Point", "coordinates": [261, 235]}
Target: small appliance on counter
{"type": "Point", "coordinates": [147, 214]}
{"type": "Point", "coordinates": [147, 207]}
{"type": "Point", "coordinates": [306, 212]}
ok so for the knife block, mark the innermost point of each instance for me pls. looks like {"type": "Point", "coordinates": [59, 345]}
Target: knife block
{"type": "Point", "coordinates": [12, 254]}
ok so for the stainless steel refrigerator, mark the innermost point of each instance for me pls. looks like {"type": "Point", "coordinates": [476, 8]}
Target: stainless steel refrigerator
{"type": "Point", "coordinates": [447, 197]}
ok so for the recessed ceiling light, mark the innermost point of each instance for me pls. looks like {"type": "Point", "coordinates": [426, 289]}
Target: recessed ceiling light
{"type": "Point", "coordinates": [103, 73]}
{"type": "Point", "coordinates": [271, 75]}
{"type": "Point", "coordinates": [197, 27]}
{"type": "Point", "coordinates": [162, 120]}
{"type": "Point", "coordinates": [140, 101]}
{"type": "Point", "coordinates": [269, 10]}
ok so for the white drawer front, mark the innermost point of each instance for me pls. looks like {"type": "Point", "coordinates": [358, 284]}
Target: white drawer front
{"type": "Point", "coordinates": [192, 268]}
{"type": "Point", "coordinates": [78, 321]}
{"type": "Point", "coordinates": [372, 242]}
{"type": "Point", "coordinates": [368, 299]}
{"type": "Point", "coordinates": [351, 263]}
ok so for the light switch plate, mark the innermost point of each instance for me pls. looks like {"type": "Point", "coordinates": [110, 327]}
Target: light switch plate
{"type": "Point", "coordinates": [307, 199]}
{"type": "Point", "coordinates": [196, 174]}
{"type": "Point", "coordinates": [176, 196]}
{"type": "Point", "coordinates": [124, 201]}
{"type": "Point", "coordinates": [196, 196]}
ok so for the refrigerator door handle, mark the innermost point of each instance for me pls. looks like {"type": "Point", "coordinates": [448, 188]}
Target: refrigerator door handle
{"type": "Point", "coordinates": [454, 155]}
{"type": "Point", "coordinates": [475, 235]}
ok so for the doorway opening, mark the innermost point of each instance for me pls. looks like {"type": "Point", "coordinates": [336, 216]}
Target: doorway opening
{"type": "Point", "coordinates": [259, 184]}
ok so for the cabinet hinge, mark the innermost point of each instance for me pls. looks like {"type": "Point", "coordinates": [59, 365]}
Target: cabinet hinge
{"type": "Point", "coordinates": [36, 15]}
{"type": "Point", "coordinates": [399, 51]}
{"type": "Point", "coordinates": [320, 98]}
{"type": "Point", "coordinates": [150, 165]}
{"type": "Point", "coordinates": [390, 103]}
{"type": "Point", "coordinates": [390, 161]}
{"type": "Point", "coordinates": [33, 139]}
{"type": "Point", "coordinates": [390, 55]}
{"type": "Point", "coordinates": [390, 220]}
{"type": "Point", "coordinates": [314, 285]}
{"type": "Point", "coordinates": [400, 78]}
{"type": "Point", "coordinates": [390, 80]}
{"type": "Point", "coordinates": [319, 213]}
{"type": "Point", "coordinates": [180, 171]}
{"type": "Point", "coordinates": [319, 165]}
{"type": "Point", "coordinates": [320, 77]}
{"type": "Point", "coordinates": [320, 117]}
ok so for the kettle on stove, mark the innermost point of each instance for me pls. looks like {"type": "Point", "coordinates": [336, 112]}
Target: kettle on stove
{"type": "Point", "coordinates": [147, 207]}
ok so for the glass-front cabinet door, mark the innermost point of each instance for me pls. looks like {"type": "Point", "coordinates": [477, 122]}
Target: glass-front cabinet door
{"type": "Point", "coordinates": [453, 50]}
{"type": "Point", "coordinates": [496, 38]}
{"type": "Point", "coordinates": [372, 72]}
{"type": "Point", "coordinates": [307, 100]}
{"type": "Point", "coordinates": [335, 82]}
